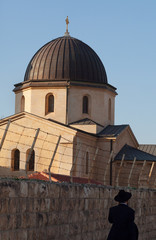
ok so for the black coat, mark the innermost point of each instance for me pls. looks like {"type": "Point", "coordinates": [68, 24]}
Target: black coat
{"type": "Point", "coordinates": [123, 228]}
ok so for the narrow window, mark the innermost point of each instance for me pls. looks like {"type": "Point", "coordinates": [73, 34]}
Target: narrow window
{"type": "Point", "coordinates": [87, 162]}
{"type": "Point", "coordinates": [22, 103]}
{"type": "Point", "coordinates": [15, 158]}
{"type": "Point", "coordinates": [49, 101]}
{"type": "Point", "coordinates": [31, 163]}
{"type": "Point", "coordinates": [85, 104]}
{"type": "Point", "coordinates": [109, 109]}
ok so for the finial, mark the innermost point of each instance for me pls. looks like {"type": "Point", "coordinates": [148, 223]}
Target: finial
{"type": "Point", "coordinates": [67, 22]}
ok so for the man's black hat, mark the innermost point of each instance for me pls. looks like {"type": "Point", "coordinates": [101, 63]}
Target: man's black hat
{"type": "Point", "coordinates": [122, 196]}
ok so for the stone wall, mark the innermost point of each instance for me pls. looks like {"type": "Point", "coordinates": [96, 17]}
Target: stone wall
{"type": "Point", "coordinates": [42, 210]}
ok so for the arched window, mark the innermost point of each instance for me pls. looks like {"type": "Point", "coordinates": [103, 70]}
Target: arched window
{"type": "Point", "coordinates": [49, 101]}
{"type": "Point", "coordinates": [109, 109]}
{"type": "Point", "coordinates": [15, 158]}
{"type": "Point", "coordinates": [85, 104]}
{"type": "Point", "coordinates": [87, 162]}
{"type": "Point", "coordinates": [22, 103]}
{"type": "Point", "coordinates": [31, 164]}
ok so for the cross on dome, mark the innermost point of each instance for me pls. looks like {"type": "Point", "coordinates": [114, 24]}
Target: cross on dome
{"type": "Point", "coordinates": [67, 22]}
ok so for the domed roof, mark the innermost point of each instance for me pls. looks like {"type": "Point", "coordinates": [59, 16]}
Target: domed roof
{"type": "Point", "coordinates": [66, 58]}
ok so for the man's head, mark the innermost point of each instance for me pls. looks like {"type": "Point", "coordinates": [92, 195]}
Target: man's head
{"type": "Point", "coordinates": [122, 196]}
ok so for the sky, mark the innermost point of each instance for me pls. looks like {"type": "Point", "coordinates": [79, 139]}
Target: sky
{"type": "Point", "coordinates": [122, 33]}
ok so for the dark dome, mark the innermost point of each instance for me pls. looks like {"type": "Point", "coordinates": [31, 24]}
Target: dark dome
{"type": "Point", "coordinates": [66, 58]}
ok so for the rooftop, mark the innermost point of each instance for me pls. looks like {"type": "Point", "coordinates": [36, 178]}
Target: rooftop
{"type": "Point", "coordinates": [131, 153]}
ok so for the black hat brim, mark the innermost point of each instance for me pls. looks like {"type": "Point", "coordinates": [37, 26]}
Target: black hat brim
{"type": "Point", "coordinates": [124, 198]}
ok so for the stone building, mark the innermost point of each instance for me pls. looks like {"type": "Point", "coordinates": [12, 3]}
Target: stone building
{"type": "Point", "coordinates": [64, 119]}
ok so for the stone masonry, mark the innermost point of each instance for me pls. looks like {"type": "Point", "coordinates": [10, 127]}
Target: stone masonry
{"type": "Point", "coordinates": [38, 210]}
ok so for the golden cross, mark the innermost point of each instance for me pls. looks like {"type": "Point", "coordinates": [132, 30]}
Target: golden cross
{"type": "Point", "coordinates": [67, 22]}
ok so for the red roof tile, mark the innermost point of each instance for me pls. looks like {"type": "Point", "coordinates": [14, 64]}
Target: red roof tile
{"type": "Point", "coordinates": [61, 178]}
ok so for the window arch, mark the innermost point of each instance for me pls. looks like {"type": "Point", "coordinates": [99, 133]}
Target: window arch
{"type": "Point", "coordinates": [31, 164]}
{"type": "Point", "coordinates": [85, 104]}
{"type": "Point", "coordinates": [87, 162]}
{"type": "Point", "coordinates": [15, 159]}
{"type": "Point", "coordinates": [22, 103]}
{"type": "Point", "coordinates": [109, 109]}
{"type": "Point", "coordinates": [49, 101]}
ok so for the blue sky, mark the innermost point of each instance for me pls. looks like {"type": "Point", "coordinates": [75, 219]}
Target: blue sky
{"type": "Point", "coordinates": [122, 33]}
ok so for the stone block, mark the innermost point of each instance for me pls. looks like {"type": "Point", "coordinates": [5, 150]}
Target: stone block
{"type": "Point", "coordinates": [3, 222]}
{"type": "Point", "coordinates": [23, 189]}
{"type": "Point", "coordinates": [43, 190]}
{"type": "Point", "coordinates": [30, 204]}
{"type": "Point", "coordinates": [91, 226]}
{"type": "Point", "coordinates": [64, 229]}
{"type": "Point", "coordinates": [55, 219]}
{"type": "Point", "coordinates": [87, 235]}
{"type": "Point", "coordinates": [37, 204]}
{"type": "Point", "coordinates": [65, 191]}
{"type": "Point", "coordinates": [75, 192]}
{"type": "Point", "coordinates": [5, 235]}
{"type": "Point", "coordinates": [84, 215]}
{"type": "Point", "coordinates": [91, 204]}
{"type": "Point", "coordinates": [33, 234]}
{"type": "Point", "coordinates": [74, 228]}
{"type": "Point", "coordinates": [9, 189]}
{"type": "Point", "coordinates": [33, 189]}
{"type": "Point", "coordinates": [96, 235]}
{"type": "Point", "coordinates": [54, 190]}
{"type": "Point", "coordinates": [55, 204]}
{"type": "Point", "coordinates": [21, 235]}
{"type": "Point", "coordinates": [73, 216]}
{"type": "Point", "coordinates": [4, 205]}
{"type": "Point", "coordinates": [11, 221]}
{"type": "Point", "coordinates": [42, 219]}
{"type": "Point", "coordinates": [28, 220]}
{"type": "Point", "coordinates": [14, 206]}
{"type": "Point", "coordinates": [22, 204]}
{"type": "Point", "coordinates": [64, 216]}
{"type": "Point", "coordinates": [75, 237]}
{"type": "Point", "coordinates": [53, 232]}
{"type": "Point", "coordinates": [13, 234]}
{"type": "Point", "coordinates": [47, 204]}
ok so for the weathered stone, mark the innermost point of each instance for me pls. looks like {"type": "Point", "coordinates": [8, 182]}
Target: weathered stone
{"type": "Point", "coordinates": [53, 232]}
{"type": "Point", "coordinates": [3, 222]}
{"type": "Point", "coordinates": [54, 190]}
{"type": "Point", "coordinates": [4, 205]}
{"type": "Point", "coordinates": [5, 235]}
{"type": "Point", "coordinates": [33, 234]}
{"type": "Point", "coordinates": [23, 189]}
{"type": "Point", "coordinates": [14, 206]}
{"type": "Point", "coordinates": [30, 204]}
{"type": "Point", "coordinates": [11, 221]}
{"type": "Point", "coordinates": [67, 215]}
{"type": "Point", "coordinates": [9, 189]}
{"type": "Point", "coordinates": [55, 204]}
{"type": "Point", "coordinates": [64, 229]}
{"type": "Point", "coordinates": [21, 235]}
{"type": "Point", "coordinates": [33, 189]}
{"type": "Point", "coordinates": [54, 218]}
{"type": "Point", "coordinates": [74, 228]}
{"type": "Point", "coordinates": [42, 190]}
{"type": "Point", "coordinates": [65, 191]}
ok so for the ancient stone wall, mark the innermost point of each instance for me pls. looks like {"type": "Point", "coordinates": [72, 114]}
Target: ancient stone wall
{"type": "Point", "coordinates": [60, 211]}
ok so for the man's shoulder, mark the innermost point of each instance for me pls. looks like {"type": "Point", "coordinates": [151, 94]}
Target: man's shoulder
{"type": "Point", "coordinates": [122, 206]}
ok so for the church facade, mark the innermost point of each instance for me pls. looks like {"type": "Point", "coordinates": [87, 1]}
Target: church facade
{"type": "Point", "coordinates": [64, 119]}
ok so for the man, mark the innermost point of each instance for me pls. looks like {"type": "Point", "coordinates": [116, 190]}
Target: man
{"type": "Point", "coordinates": [122, 218]}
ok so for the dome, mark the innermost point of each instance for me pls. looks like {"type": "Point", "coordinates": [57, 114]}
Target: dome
{"type": "Point", "coordinates": [66, 58]}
